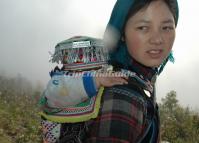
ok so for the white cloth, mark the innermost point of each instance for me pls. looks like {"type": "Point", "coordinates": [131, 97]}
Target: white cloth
{"type": "Point", "coordinates": [64, 90]}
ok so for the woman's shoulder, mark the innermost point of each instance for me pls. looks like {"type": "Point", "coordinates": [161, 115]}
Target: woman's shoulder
{"type": "Point", "coordinates": [137, 86]}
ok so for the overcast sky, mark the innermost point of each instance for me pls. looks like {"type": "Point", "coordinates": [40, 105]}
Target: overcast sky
{"type": "Point", "coordinates": [30, 29]}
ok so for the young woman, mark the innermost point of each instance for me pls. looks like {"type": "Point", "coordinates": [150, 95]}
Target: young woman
{"type": "Point", "coordinates": [139, 36]}
{"type": "Point", "coordinates": [142, 33]}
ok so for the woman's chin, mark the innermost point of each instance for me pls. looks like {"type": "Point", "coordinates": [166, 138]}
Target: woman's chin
{"type": "Point", "coordinates": [152, 64]}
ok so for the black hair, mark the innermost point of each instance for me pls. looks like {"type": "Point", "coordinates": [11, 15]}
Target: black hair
{"type": "Point", "coordinates": [140, 4]}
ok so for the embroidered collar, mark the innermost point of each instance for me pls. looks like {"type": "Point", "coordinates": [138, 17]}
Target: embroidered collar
{"type": "Point", "coordinates": [146, 84]}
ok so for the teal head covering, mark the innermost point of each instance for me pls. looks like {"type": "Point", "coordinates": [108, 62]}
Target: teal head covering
{"type": "Point", "coordinates": [114, 31]}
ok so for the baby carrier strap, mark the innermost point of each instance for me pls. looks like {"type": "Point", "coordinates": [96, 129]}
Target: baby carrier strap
{"type": "Point", "coordinates": [151, 134]}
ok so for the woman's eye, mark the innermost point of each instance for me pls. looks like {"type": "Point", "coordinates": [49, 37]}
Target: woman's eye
{"type": "Point", "coordinates": [142, 28]}
{"type": "Point", "coordinates": [168, 28]}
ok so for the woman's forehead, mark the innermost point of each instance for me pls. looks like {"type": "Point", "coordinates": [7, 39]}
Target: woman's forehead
{"type": "Point", "coordinates": [155, 10]}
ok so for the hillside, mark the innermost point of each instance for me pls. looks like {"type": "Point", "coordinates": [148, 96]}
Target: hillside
{"type": "Point", "coordinates": [20, 122]}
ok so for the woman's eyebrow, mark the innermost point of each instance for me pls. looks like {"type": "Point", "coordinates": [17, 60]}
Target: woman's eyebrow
{"type": "Point", "coordinates": [168, 21]}
{"type": "Point", "coordinates": [142, 21]}
{"type": "Point", "coordinates": [148, 21]}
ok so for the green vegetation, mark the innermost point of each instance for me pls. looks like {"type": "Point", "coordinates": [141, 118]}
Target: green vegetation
{"type": "Point", "coordinates": [20, 122]}
{"type": "Point", "coordinates": [178, 124]}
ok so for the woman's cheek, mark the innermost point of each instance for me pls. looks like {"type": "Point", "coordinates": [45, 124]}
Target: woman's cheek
{"type": "Point", "coordinates": [135, 42]}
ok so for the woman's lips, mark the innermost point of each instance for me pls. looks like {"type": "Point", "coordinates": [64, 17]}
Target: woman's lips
{"type": "Point", "coordinates": [155, 53]}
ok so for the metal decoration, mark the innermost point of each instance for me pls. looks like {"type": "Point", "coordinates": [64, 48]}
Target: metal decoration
{"type": "Point", "coordinates": [80, 53]}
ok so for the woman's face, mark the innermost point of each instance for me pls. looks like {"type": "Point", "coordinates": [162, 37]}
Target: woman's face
{"type": "Point", "coordinates": [150, 34]}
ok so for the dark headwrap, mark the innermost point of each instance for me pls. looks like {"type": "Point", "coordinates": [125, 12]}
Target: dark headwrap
{"type": "Point", "coordinates": [114, 33]}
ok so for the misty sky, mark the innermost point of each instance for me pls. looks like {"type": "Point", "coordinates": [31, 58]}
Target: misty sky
{"type": "Point", "coordinates": [30, 29]}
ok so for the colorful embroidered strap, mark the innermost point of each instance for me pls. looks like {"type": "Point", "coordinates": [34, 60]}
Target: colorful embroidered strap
{"type": "Point", "coordinates": [79, 113]}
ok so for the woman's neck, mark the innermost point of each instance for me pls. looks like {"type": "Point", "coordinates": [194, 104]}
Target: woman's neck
{"type": "Point", "coordinates": [146, 72]}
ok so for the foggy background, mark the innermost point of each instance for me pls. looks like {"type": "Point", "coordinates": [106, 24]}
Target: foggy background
{"type": "Point", "coordinates": [30, 29]}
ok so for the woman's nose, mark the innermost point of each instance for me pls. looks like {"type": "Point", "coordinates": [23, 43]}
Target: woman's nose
{"type": "Point", "coordinates": [156, 38]}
